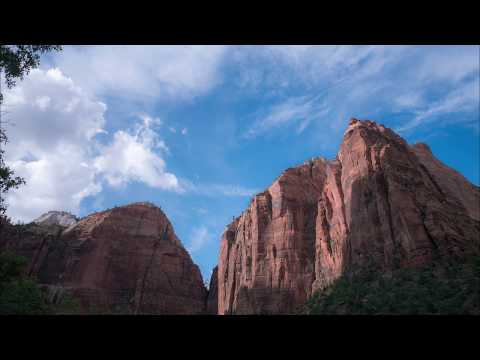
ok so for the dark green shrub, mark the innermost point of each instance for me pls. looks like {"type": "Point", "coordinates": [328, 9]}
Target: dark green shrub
{"type": "Point", "coordinates": [21, 296]}
{"type": "Point", "coordinates": [18, 293]}
{"type": "Point", "coordinates": [11, 266]}
{"type": "Point", "coordinates": [436, 289]}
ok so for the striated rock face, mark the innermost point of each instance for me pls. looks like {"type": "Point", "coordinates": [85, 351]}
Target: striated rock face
{"type": "Point", "coordinates": [267, 256]}
{"type": "Point", "coordinates": [380, 202]}
{"type": "Point", "coordinates": [126, 260]}
{"type": "Point", "coordinates": [32, 242]}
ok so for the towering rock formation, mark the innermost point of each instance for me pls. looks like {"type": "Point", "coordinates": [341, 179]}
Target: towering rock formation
{"type": "Point", "coordinates": [125, 260]}
{"type": "Point", "coordinates": [380, 202]}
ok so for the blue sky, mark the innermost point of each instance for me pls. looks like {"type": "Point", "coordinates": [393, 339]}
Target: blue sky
{"type": "Point", "coordinates": [198, 130]}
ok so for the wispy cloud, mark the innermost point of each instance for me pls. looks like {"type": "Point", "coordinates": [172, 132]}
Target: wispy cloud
{"type": "Point", "coordinates": [361, 81]}
{"type": "Point", "coordinates": [463, 99]}
{"type": "Point", "coordinates": [299, 110]}
{"type": "Point", "coordinates": [216, 189]}
{"type": "Point", "coordinates": [199, 238]}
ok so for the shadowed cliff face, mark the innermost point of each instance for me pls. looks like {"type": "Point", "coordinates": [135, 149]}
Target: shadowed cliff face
{"type": "Point", "coordinates": [380, 201]}
{"type": "Point", "coordinates": [126, 260]}
{"type": "Point", "coordinates": [212, 299]}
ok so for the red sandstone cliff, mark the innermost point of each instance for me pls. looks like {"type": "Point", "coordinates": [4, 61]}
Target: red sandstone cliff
{"type": "Point", "coordinates": [380, 201]}
{"type": "Point", "coordinates": [125, 260]}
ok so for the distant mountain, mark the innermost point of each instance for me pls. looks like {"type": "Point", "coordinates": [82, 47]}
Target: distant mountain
{"type": "Point", "coordinates": [60, 218]}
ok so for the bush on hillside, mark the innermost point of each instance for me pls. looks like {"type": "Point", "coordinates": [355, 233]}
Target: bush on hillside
{"type": "Point", "coordinates": [436, 289]}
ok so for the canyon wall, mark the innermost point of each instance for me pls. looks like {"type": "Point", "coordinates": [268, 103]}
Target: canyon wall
{"type": "Point", "coordinates": [124, 260]}
{"type": "Point", "coordinates": [381, 202]}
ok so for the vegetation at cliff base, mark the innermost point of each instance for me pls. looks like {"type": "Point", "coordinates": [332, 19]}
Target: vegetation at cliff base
{"type": "Point", "coordinates": [436, 289]}
{"type": "Point", "coordinates": [21, 294]}
{"type": "Point", "coordinates": [18, 293]}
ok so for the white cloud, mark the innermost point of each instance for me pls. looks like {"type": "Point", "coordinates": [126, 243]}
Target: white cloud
{"type": "Point", "coordinates": [301, 110]}
{"type": "Point", "coordinates": [177, 72]}
{"type": "Point", "coordinates": [409, 100]}
{"type": "Point", "coordinates": [53, 182]}
{"type": "Point", "coordinates": [310, 65]}
{"type": "Point", "coordinates": [327, 64]}
{"type": "Point", "coordinates": [362, 81]}
{"type": "Point", "coordinates": [42, 102]}
{"type": "Point", "coordinates": [52, 130]}
{"type": "Point", "coordinates": [69, 116]}
{"type": "Point", "coordinates": [149, 121]}
{"type": "Point", "coordinates": [217, 189]}
{"type": "Point", "coordinates": [463, 99]}
{"type": "Point", "coordinates": [199, 238]}
{"type": "Point", "coordinates": [51, 121]}
{"type": "Point", "coordinates": [448, 63]}
{"type": "Point", "coordinates": [319, 60]}
{"type": "Point", "coordinates": [132, 157]}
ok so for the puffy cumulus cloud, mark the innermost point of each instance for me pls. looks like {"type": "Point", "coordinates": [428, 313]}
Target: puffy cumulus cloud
{"type": "Point", "coordinates": [52, 128]}
{"type": "Point", "coordinates": [46, 111]}
{"type": "Point", "coordinates": [143, 71]}
{"type": "Point", "coordinates": [59, 181]}
{"type": "Point", "coordinates": [131, 156]}
{"type": "Point", "coordinates": [50, 122]}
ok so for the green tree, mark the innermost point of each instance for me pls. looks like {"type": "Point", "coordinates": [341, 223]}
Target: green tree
{"type": "Point", "coordinates": [16, 61]}
{"type": "Point", "coordinates": [18, 293]}
{"type": "Point", "coordinates": [22, 297]}
{"type": "Point", "coordinates": [7, 178]}
{"type": "Point", "coordinates": [11, 266]}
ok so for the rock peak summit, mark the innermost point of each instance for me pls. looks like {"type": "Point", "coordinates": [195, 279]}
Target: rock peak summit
{"type": "Point", "coordinates": [60, 218]}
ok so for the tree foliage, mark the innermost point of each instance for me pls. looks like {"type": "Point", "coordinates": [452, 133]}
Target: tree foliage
{"type": "Point", "coordinates": [440, 288]}
{"type": "Point", "coordinates": [16, 61]}
{"type": "Point", "coordinates": [18, 293]}
{"type": "Point", "coordinates": [21, 294]}
{"type": "Point", "coordinates": [7, 179]}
